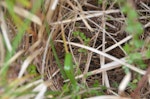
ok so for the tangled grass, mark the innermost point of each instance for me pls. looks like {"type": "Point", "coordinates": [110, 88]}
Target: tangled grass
{"type": "Point", "coordinates": [64, 49]}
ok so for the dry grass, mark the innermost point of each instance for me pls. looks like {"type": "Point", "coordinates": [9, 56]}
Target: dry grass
{"type": "Point", "coordinates": [102, 61]}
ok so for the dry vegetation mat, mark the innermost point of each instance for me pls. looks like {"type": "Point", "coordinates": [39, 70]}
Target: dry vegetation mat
{"type": "Point", "coordinates": [75, 49]}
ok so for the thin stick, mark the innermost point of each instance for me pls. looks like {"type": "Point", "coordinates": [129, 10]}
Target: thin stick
{"type": "Point", "coordinates": [2, 51]}
{"type": "Point", "coordinates": [119, 43]}
{"type": "Point", "coordinates": [64, 39]}
{"type": "Point", "coordinates": [141, 83]}
{"type": "Point", "coordinates": [105, 80]}
{"type": "Point", "coordinates": [15, 57]}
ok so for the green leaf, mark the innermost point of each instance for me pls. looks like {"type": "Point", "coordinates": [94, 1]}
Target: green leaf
{"type": "Point", "coordinates": [100, 1]}
{"type": "Point", "coordinates": [138, 43]}
{"type": "Point", "coordinates": [124, 9]}
{"type": "Point", "coordinates": [126, 69]}
{"type": "Point", "coordinates": [115, 84]}
{"type": "Point", "coordinates": [96, 83]}
{"type": "Point", "coordinates": [132, 14]}
{"type": "Point", "coordinates": [135, 56]}
{"type": "Point", "coordinates": [57, 60]}
{"type": "Point", "coordinates": [132, 85]}
{"type": "Point", "coordinates": [135, 81]}
{"type": "Point", "coordinates": [65, 88]}
{"type": "Point", "coordinates": [141, 64]}
{"type": "Point", "coordinates": [87, 41]}
{"type": "Point", "coordinates": [76, 33]}
{"type": "Point", "coordinates": [81, 50]}
{"type": "Point", "coordinates": [127, 48]}
{"type": "Point", "coordinates": [25, 3]}
{"type": "Point", "coordinates": [139, 28]}
{"type": "Point", "coordinates": [148, 53]}
{"type": "Point", "coordinates": [68, 67]}
{"type": "Point", "coordinates": [129, 29]}
{"type": "Point", "coordinates": [32, 69]}
{"type": "Point", "coordinates": [82, 35]}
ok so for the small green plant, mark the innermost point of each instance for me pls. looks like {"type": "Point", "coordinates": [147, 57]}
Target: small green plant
{"type": "Point", "coordinates": [83, 37]}
{"type": "Point", "coordinates": [32, 69]}
{"type": "Point", "coordinates": [94, 91]}
{"type": "Point", "coordinates": [133, 84]}
{"type": "Point", "coordinates": [68, 67]}
{"type": "Point", "coordinates": [100, 1]}
{"type": "Point", "coordinates": [115, 84]}
{"type": "Point", "coordinates": [134, 28]}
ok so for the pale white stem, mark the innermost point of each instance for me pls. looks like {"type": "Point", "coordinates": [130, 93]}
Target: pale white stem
{"type": "Point", "coordinates": [119, 43]}
{"type": "Point", "coordinates": [42, 88]}
{"type": "Point", "coordinates": [124, 82]}
{"type": "Point", "coordinates": [53, 7]}
{"type": "Point", "coordinates": [107, 97]}
{"type": "Point", "coordinates": [4, 31]}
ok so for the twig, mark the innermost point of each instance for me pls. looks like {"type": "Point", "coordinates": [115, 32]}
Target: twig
{"type": "Point", "coordinates": [141, 83]}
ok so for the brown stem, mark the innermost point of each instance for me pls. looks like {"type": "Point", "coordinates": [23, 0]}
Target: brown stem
{"type": "Point", "coordinates": [136, 93]}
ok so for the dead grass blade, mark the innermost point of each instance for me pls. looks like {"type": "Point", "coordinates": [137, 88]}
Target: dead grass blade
{"type": "Point", "coordinates": [108, 97]}
{"type": "Point", "coordinates": [41, 88]}
{"type": "Point", "coordinates": [119, 43]}
{"type": "Point", "coordinates": [24, 13]}
{"type": "Point", "coordinates": [16, 56]}
{"type": "Point", "coordinates": [124, 83]}
{"type": "Point", "coordinates": [105, 80]}
{"type": "Point", "coordinates": [5, 31]}
{"type": "Point", "coordinates": [51, 9]}
{"type": "Point", "coordinates": [2, 51]}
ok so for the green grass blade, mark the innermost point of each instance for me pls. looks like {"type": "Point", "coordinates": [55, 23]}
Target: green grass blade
{"type": "Point", "coordinates": [57, 60]}
{"type": "Point", "coordinates": [68, 67]}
